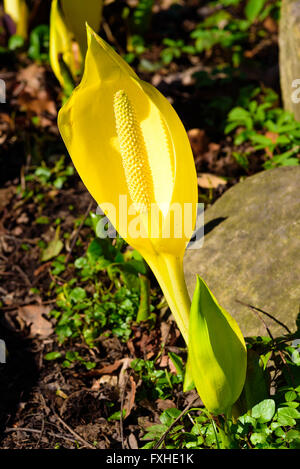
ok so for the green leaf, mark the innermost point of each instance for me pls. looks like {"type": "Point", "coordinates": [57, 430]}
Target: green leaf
{"type": "Point", "coordinates": [116, 415]}
{"type": "Point", "coordinates": [54, 247]}
{"type": "Point", "coordinates": [290, 396]}
{"type": "Point", "coordinates": [217, 351]}
{"type": "Point", "coordinates": [169, 415]}
{"type": "Point", "coordinates": [66, 364]}
{"type": "Point", "coordinates": [188, 383]}
{"type": "Point", "coordinates": [293, 435]}
{"type": "Point", "coordinates": [15, 42]}
{"type": "Point", "coordinates": [264, 411]}
{"type": "Point", "coordinates": [255, 388]}
{"type": "Point", "coordinates": [258, 438]}
{"type": "Point", "coordinates": [72, 356]}
{"type": "Point", "coordinates": [155, 431]}
{"type": "Point", "coordinates": [52, 355]}
{"type": "Point", "coordinates": [43, 173]}
{"type": "Point", "coordinates": [287, 416]}
{"type": "Point", "coordinates": [42, 220]}
{"type": "Point", "coordinates": [81, 262]}
{"type": "Point", "coordinates": [238, 114]}
{"type": "Point", "coordinates": [59, 182]}
{"type": "Point", "coordinates": [253, 8]}
{"type": "Point", "coordinates": [261, 139]}
{"type": "Point", "coordinates": [89, 365]}
{"type": "Point", "coordinates": [77, 294]}
{"type": "Point", "coordinates": [177, 362]}
{"type": "Point", "coordinates": [241, 159]}
{"type": "Point", "coordinates": [265, 358]}
{"type": "Point", "coordinates": [39, 43]}
{"type": "Point", "coordinates": [95, 250]}
{"type": "Point", "coordinates": [144, 307]}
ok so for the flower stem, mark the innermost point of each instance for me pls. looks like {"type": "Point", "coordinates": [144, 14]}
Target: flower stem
{"type": "Point", "coordinates": [168, 269]}
{"type": "Point", "coordinates": [144, 308]}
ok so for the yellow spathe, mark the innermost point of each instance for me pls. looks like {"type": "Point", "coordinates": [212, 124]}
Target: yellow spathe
{"type": "Point", "coordinates": [126, 139]}
{"type": "Point", "coordinates": [18, 11]}
{"type": "Point", "coordinates": [67, 24]}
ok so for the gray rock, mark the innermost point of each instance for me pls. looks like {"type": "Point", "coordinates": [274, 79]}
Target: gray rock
{"type": "Point", "coordinates": [251, 251]}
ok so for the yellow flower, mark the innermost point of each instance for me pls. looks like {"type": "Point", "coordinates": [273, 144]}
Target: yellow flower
{"type": "Point", "coordinates": [217, 358]}
{"type": "Point", "coordinates": [126, 140]}
{"type": "Point", "coordinates": [67, 24]}
{"type": "Point", "coordinates": [18, 11]}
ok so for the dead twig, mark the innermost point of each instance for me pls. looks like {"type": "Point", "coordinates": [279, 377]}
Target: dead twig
{"type": "Point", "coordinates": [22, 429]}
{"type": "Point", "coordinates": [78, 231]}
{"type": "Point", "coordinates": [78, 437]}
{"type": "Point", "coordinates": [15, 307]}
{"type": "Point", "coordinates": [259, 310]}
{"type": "Point", "coordinates": [121, 411]}
{"type": "Point", "coordinates": [23, 275]}
{"type": "Point", "coordinates": [33, 430]}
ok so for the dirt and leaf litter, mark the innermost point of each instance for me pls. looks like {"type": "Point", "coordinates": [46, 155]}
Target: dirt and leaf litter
{"type": "Point", "coordinates": [57, 400]}
{"type": "Point", "coordinates": [71, 407]}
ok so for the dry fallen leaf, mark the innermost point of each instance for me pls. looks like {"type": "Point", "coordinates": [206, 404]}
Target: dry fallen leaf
{"type": "Point", "coordinates": [163, 404]}
{"type": "Point", "coordinates": [32, 94]}
{"type": "Point", "coordinates": [270, 25]}
{"type": "Point", "coordinates": [32, 77]}
{"type": "Point", "coordinates": [5, 196]}
{"type": "Point", "coordinates": [105, 370]}
{"type": "Point", "coordinates": [164, 361]}
{"type": "Point", "coordinates": [130, 398]}
{"type": "Point", "coordinates": [6, 126]}
{"type": "Point", "coordinates": [210, 181]}
{"type": "Point", "coordinates": [122, 375]}
{"type": "Point", "coordinates": [132, 442]}
{"type": "Point", "coordinates": [110, 380]}
{"type": "Point", "coordinates": [33, 316]}
{"type": "Point", "coordinates": [273, 136]}
{"type": "Point", "coordinates": [53, 248]}
{"type": "Point", "coordinates": [172, 367]}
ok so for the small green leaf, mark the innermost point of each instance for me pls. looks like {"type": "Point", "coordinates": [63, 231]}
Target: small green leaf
{"type": "Point", "coordinates": [52, 356]}
{"type": "Point", "coordinates": [116, 415]}
{"type": "Point", "coordinates": [72, 356]}
{"type": "Point", "coordinates": [15, 42]}
{"type": "Point", "coordinates": [287, 416]}
{"type": "Point", "coordinates": [66, 364]}
{"type": "Point", "coordinates": [253, 8]}
{"type": "Point", "coordinates": [293, 435]}
{"type": "Point", "coordinates": [89, 365]}
{"type": "Point", "coordinates": [54, 247]}
{"type": "Point", "coordinates": [77, 294]}
{"type": "Point", "coordinates": [290, 396]}
{"type": "Point", "coordinates": [42, 220]}
{"type": "Point", "coordinates": [258, 438]}
{"type": "Point", "coordinates": [169, 415]}
{"type": "Point", "coordinates": [264, 411]}
{"type": "Point", "coordinates": [177, 362]}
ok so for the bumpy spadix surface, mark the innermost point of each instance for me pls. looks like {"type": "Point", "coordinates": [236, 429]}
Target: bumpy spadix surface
{"type": "Point", "coordinates": [134, 155]}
